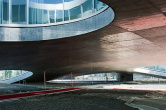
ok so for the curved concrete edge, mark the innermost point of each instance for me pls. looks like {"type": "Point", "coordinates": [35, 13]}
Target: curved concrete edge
{"type": "Point", "coordinates": [17, 78]}
{"type": "Point", "coordinates": [59, 31]}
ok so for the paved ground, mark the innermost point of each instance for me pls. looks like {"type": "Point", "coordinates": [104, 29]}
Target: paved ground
{"type": "Point", "coordinates": [98, 97]}
{"type": "Point", "coordinates": [80, 100]}
{"type": "Point", "coordinates": [142, 96]}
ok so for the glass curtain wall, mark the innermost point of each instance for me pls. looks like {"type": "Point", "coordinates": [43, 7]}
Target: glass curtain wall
{"type": "Point", "coordinates": [46, 11]}
{"type": "Point", "coordinates": [7, 74]}
{"type": "Point", "coordinates": [87, 8]}
{"type": "Point", "coordinates": [37, 13]}
{"type": "Point", "coordinates": [19, 11]}
{"type": "Point", "coordinates": [2, 75]}
{"type": "Point", "coordinates": [158, 68]}
{"type": "Point", "coordinates": [98, 5]}
{"type": "Point", "coordinates": [52, 16]}
{"type": "Point", "coordinates": [59, 11]}
{"type": "Point", "coordinates": [75, 13]}
{"type": "Point", "coordinates": [67, 10]}
{"type": "Point", "coordinates": [4, 11]}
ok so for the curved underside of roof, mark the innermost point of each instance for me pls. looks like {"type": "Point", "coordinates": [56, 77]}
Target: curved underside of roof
{"type": "Point", "coordinates": [136, 38]}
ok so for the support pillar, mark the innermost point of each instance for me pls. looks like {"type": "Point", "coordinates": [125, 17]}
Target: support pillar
{"type": "Point", "coordinates": [44, 80]}
{"type": "Point", "coordinates": [125, 77]}
{"type": "Point", "coordinates": [71, 80]}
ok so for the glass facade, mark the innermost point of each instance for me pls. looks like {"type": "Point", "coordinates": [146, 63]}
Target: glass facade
{"type": "Point", "coordinates": [75, 13]}
{"type": "Point", "coordinates": [18, 11]}
{"type": "Point", "coordinates": [98, 5]}
{"type": "Point", "coordinates": [7, 74]}
{"type": "Point", "coordinates": [157, 68]}
{"type": "Point", "coordinates": [32, 12]}
{"type": "Point", "coordinates": [87, 7]}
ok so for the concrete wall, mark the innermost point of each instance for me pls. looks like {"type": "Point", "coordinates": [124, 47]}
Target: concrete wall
{"type": "Point", "coordinates": [59, 31]}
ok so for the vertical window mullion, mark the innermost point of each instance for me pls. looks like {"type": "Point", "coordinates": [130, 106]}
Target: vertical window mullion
{"type": "Point", "coordinates": [27, 11]}
{"type": "Point", "coordinates": [81, 11]}
{"type": "Point", "coordinates": [93, 6]}
{"type": "Point", "coordinates": [2, 12]}
{"type": "Point", "coordinates": [63, 11]}
{"type": "Point", "coordinates": [55, 16]}
{"type": "Point", "coordinates": [69, 13]}
{"type": "Point", "coordinates": [48, 15]}
{"type": "Point", "coordinates": [10, 12]}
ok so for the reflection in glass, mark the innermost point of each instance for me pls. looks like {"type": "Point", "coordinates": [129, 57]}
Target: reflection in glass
{"type": "Point", "coordinates": [52, 16]}
{"type": "Point", "coordinates": [99, 5]}
{"type": "Point", "coordinates": [59, 15]}
{"type": "Point", "coordinates": [66, 15]}
{"type": "Point", "coordinates": [32, 16]}
{"type": "Point", "coordinates": [37, 15]}
{"type": "Point", "coordinates": [7, 74]}
{"type": "Point", "coordinates": [19, 11]}
{"type": "Point", "coordinates": [46, 11]}
{"type": "Point", "coordinates": [87, 7]}
{"type": "Point", "coordinates": [75, 13]}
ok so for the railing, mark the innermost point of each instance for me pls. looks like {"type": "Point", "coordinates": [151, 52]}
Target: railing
{"type": "Point", "coordinates": [34, 13]}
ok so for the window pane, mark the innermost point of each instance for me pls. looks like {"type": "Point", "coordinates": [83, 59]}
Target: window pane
{"type": "Point", "coordinates": [39, 16]}
{"type": "Point", "coordinates": [2, 75]}
{"type": "Point", "coordinates": [59, 15]}
{"type": "Point", "coordinates": [22, 13]}
{"type": "Point", "coordinates": [4, 10]}
{"type": "Point", "coordinates": [19, 11]}
{"type": "Point", "coordinates": [52, 16]}
{"type": "Point", "coordinates": [45, 17]}
{"type": "Point", "coordinates": [37, 12]}
{"type": "Point", "coordinates": [66, 15]}
{"type": "Point", "coordinates": [87, 7]}
{"type": "Point", "coordinates": [15, 9]}
{"type": "Point", "coordinates": [75, 12]}
{"type": "Point", "coordinates": [32, 16]}
{"type": "Point", "coordinates": [99, 5]}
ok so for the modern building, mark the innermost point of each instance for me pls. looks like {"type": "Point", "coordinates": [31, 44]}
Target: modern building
{"type": "Point", "coordinates": [59, 37]}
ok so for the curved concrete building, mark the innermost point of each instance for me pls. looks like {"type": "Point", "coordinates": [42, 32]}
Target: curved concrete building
{"type": "Point", "coordinates": [81, 36]}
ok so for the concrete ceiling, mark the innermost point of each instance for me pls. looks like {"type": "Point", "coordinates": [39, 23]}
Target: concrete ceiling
{"type": "Point", "coordinates": [136, 38]}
